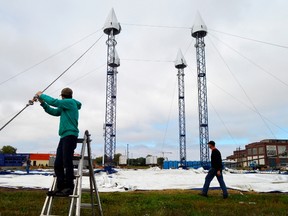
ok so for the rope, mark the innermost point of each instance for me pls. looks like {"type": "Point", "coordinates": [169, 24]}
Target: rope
{"type": "Point", "coordinates": [49, 57]}
{"type": "Point", "coordinates": [31, 102]}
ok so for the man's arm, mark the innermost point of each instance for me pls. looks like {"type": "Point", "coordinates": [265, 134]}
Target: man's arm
{"type": "Point", "coordinates": [50, 110]}
{"type": "Point", "coordinates": [49, 100]}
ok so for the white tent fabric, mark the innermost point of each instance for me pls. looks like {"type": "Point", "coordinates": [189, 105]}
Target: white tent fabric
{"type": "Point", "coordinates": [155, 179]}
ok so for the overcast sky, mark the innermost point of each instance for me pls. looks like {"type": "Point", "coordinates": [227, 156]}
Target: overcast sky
{"type": "Point", "coordinates": [247, 80]}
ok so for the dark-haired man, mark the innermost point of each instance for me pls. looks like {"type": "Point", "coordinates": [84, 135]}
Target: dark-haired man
{"type": "Point", "coordinates": [67, 109]}
{"type": "Point", "coordinates": [216, 170]}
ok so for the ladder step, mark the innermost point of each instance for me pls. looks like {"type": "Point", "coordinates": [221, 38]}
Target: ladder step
{"type": "Point", "coordinates": [80, 140]}
{"type": "Point", "coordinates": [87, 205]}
{"type": "Point", "coordinates": [88, 190]}
{"type": "Point", "coordinates": [77, 157]}
{"type": "Point", "coordinates": [73, 196]}
{"type": "Point", "coordinates": [48, 215]}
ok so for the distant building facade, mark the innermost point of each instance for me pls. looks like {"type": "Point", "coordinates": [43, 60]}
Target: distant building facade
{"type": "Point", "coordinates": [270, 153]}
{"type": "Point", "coordinates": [39, 159]}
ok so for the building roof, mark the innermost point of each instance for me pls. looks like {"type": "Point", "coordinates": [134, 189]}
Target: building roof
{"type": "Point", "coordinates": [39, 156]}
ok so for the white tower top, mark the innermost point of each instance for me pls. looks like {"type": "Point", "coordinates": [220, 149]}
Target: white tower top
{"type": "Point", "coordinates": [115, 62]}
{"type": "Point", "coordinates": [199, 29]}
{"type": "Point", "coordinates": [180, 61]}
{"type": "Point", "coordinates": [112, 23]}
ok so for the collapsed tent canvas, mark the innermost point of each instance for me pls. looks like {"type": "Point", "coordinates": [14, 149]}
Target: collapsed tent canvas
{"type": "Point", "coordinates": [156, 179]}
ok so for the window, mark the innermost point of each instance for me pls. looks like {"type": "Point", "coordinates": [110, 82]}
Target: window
{"type": "Point", "coordinates": [271, 150]}
{"type": "Point", "coordinates": [261, 150]}
{"type": "Point", "coordinates": [254, 151]}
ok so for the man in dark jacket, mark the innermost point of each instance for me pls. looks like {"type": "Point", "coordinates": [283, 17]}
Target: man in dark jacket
{"type": "Point", "coordinates": [67, 109]}
{"type": "Point", "coordinates": [216, 170]}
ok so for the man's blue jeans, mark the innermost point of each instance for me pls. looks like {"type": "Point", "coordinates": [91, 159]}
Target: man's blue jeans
{"type": "Point", "coordinates": [209, 177]}
{"type": "Point", "coordinates": [63, 165]}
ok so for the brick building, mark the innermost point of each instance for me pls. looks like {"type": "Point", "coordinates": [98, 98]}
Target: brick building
{"type": "Point", "coordinates": [271, 153]}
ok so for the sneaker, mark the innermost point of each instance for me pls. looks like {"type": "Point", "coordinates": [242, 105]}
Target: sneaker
{"type": "Point", "coordinates": [225, 196]}
{"type": "Point", "coordinates": [203, 194]}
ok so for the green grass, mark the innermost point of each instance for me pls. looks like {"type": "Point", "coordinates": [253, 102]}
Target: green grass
{"type": "Point", "coordinates": [152, 203]}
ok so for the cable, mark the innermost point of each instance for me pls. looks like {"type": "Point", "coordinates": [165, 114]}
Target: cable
{"type": "Point", "coordinates": [245, 93]}
{"type": "Point", "coordinates": [188, 48]}
{"type": "Point", "coordinates": [49, 57]}
{"type": "Point", "coordinates": [72, 64]}
{"type": "Point", "coordinates": [228, 131]}
{"type": "Point", "coordinates": [146, 60]}
{"type": "Point", "coordinates": [169, 115]}
{"type": "Point", "coordinates": [81, 77]}
{"type": "Point", "coordinates": [233, 35]}
{"type": "Point", "coordinates": [154, 26]}
{"type": "Point", "coordinates": [31, 102]}
{"type": "Point", "coordinates": [241, 102]}
{"type": "Point", "coordinates": [252, 62]}
{"type": "Point", "coordinates": [251, 39]}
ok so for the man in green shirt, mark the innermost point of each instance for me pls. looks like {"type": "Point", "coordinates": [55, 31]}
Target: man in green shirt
{"type": "Point", "coordinates": [67, 109]}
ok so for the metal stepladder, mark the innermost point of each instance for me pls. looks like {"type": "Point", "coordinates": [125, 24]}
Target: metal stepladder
{"type": "Point", "coordinates": [76, 204]}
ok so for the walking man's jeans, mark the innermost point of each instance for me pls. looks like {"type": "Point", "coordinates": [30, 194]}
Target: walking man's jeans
{"type": "Point", "coordinates": [63, 166]}
{"type": "Point", "coordinates": [211, 174]}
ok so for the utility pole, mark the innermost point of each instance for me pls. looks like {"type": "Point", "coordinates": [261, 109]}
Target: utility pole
{"type": "Point", "coordinates": [163, 154]}
{"type": "Point", "coordinates": [127, 154]}
{"type": "Point", "coordinates": [111, 28]}
{"type": "Point", "coordinates": [199, 31]}
{"type": "Point", "coordinates": [180, 64]}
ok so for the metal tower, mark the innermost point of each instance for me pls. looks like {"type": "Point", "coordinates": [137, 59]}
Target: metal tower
{"type": "Point", "coordinates": [199, 31]}
{"type": "Point", "coordinates": [114, 97]}
{"type": "Point", "coordinates": [180, 64]}
{"type": "Point", "coordinates": [111, 28]}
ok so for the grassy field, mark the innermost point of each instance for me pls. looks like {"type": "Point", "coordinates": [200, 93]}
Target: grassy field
{"type": "Point", "coordinates": [152, 203]}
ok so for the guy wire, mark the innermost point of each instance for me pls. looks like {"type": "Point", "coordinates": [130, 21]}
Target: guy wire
{"type": "Point", "coordinates": [31, 102]}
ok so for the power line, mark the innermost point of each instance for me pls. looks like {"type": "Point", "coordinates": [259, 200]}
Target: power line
{"type": "Point", "coordinates": [49, 57]}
